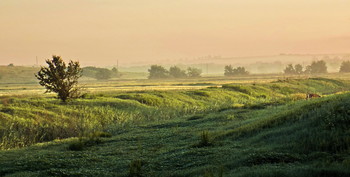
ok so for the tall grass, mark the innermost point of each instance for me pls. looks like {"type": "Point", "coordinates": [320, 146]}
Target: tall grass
{"type": "Point", "coordinates": [28, 120]}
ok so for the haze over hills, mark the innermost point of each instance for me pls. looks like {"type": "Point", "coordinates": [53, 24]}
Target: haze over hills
{"type": "Point", "coordinates": [100, 32]}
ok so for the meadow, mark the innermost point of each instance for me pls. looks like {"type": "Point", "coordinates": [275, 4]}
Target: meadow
{"type": "Point", "coordinates": [259, 125]}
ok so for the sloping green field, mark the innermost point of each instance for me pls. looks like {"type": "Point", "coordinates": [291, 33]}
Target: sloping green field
{"type": "Point", "coordinates": [234, 130]}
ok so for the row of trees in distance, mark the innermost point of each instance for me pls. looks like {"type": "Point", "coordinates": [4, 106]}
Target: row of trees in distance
{"type": "Point", "coordinates": [239, 71]}
{"type": "Point", "coordinates": [159, 72]}
{"type": "Point", "coordinates": [316, 67]}
{"type": "Point", "coordinates": [100, 73]}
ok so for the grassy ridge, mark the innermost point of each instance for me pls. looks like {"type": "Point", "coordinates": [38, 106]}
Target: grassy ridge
{"type": "Point", "coordinates": [254, 136]}
{"type": "Point", "coordinates": [29, 120]}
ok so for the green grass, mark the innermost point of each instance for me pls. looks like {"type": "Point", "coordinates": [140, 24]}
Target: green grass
{"type": "Point", "coordinates": [265, 129]}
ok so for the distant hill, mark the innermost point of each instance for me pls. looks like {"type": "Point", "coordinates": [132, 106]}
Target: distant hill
{"type": "Point", "coordinates": [16, 74]}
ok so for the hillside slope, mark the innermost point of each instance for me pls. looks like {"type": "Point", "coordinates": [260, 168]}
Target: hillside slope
{"type": "Point", "coordinates": [293, 138]}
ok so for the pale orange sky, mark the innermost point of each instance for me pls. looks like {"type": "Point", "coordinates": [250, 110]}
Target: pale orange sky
{"type": "Point", "coordinates": [99, 32]}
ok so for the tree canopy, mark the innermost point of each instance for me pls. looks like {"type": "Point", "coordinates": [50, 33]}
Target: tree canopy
{"type": "Point", "coordinates": [194, 72]}
{"type": "Point", "coordinates": [239, 71]}
{"type": "Point", "coordinates": [345, 67]}
{"type": "Point", "coordinates": [59, 78]}
{"type": "Point", "coordinates": [158, 72]}
{"type": "Point", "coordinates": [177, 72]}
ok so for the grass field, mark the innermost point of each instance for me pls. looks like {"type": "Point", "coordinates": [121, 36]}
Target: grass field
{"type": "Point", "coordinates": [251, 126]}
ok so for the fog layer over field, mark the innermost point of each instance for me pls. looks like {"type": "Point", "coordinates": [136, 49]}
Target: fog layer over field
{"type": "Point", "coordinates": [146, 32]}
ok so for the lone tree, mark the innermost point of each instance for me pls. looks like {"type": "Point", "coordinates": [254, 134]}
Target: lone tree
{"type": "Point", "coordinates": [60, 78]}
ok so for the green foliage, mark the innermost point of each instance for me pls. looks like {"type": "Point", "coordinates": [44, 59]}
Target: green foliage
{"type": "Point", "coordinates": [316, 67]}
{"type": "Point", "coordinates": [194, 72]}
{"type": "Point", "coordinates": [59, 78]}
{"type": "Point", "coordinates": [297, 138]}
{"type": "Point", "coordinates": [177, 72]}
{"type": "Point", "coordinates": [239, 71]}
{"type": "Point", "coordinates": [345, 67]}
{"type": "Point", "coordinates": [158, 72]}
{"type": "Point", "coordinates": [11, 65]}
{"type": "Point", "coordinates": [29, 120]}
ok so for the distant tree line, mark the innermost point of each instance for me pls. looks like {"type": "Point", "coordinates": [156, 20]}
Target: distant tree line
{"type": "Point", "coordinates": [100, 73]}
{"type": "Point", "coordinates": [159, 72]}
{"type": "Point", "coordinates": [316, 67]}
{"type": "Point", "coordinates": [239, 71]}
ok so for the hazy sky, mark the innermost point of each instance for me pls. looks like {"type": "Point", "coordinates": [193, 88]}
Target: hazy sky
{"type": "Point", "coordinates": [103, 31]}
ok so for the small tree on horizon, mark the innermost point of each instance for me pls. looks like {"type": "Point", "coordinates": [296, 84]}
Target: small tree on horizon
{"type": "Point", "coordinates": [103, 74]}
{"type": "Point", "coordinates": [194, 72]}
{"type": "Point", "coordinates": [177, 72]}
{"type": "Point", "coordinates": [289, 69]}
{"type": "Point", "coordinates": [298, 69]}
{"type": "Point", "coordinates": [239, 71]}
{"type": "Point", "coordinates": [317, 67]}
{"type": "Point", "coordinates": [345, 67]}
{"type": "Point", "coordinates": [60, 78]}
{"type": "Point", "coordinates": [158, 72]}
